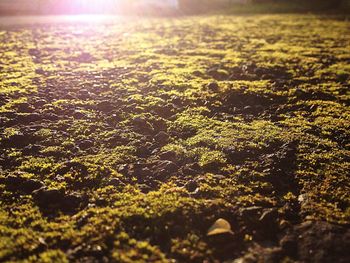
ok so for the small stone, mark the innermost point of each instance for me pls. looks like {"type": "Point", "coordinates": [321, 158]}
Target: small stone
{"type": "Point", "coordinates": [105, 106]}
{"type": "Point", "coordinates": [139, 122]}
{"type": "Point", "coordinates": [46, 197]}
{"type": "Point", "coordinates": [39, 71]}
{"type": "Point", "coordinates": [213, 86]}
{"type": "Point", "coordinates": [218, 177]}
{"type": "Point", "coordinates": [165, 168]}
{"type": "Point", "coordinates": [31, 185]}
{"type": "Point", "coordinates": [24, 107]}
{"type": "Point", "coordinates": [50, 117]}
{"type": "Point", "coordinates": [165, 111]}
{"type": "Point", "coordinates": [72, 166]}
{"type": "Point", "coordinates": [145, 172]}
{"type": "Point", "coordinates": [218, 74]}
{"type": "Point", "coordinates": [194, 166]}
{"type": "Point", "coordinates": [187, 170]}
{"type": "Point", "coordinates": [269, 216]}
{"type": "Point", "coordinates": [42, 241]}
{"type": "Point", "coordinates": [115, 182]}
{"type": "Point", "coordinates": [85, 145]}
{"type": "Point", "coordinates": [101, 202]}
{"type": "Point", "coordinates": [34, 52]}
{"type": "Point", "coordinates": [84, 93]}
{"type": "Point", "coordinates": [251, 214]}
{"type": "Point", "coordinates": [192, 186]}
{"type": "Point", "coordinates": [221, 226]}
{"type": "Point", "coordinates": [144, 188]}
{"type": "Point", "coordinates": [39, 103]}
{"type": "Point", "coordinates": [13, 180]}
{"type": "Point", "coordinates": [143, 151]}
{"type": "Point", "coordinates": [142, 125]}
{"type": "Point", "coordinates": [78, 115]}
{"type": "Point", "coordinates": [72, 201]}
{"type": "Point", "coordinates": [17, 141]}
{"type": "Point", "coordinates": [159, 124]}
{"type": "Point", "coordinates": [169, 166]}
{"type": "Point", "coordinates": [57, 199]}
{"type": "Point", "coordinates": [84, 57]}
{"type": "Point", "coordinates": [248, 108]}
{"type": "Point", "coordinates": [24, 185]}
{"type": "Point", "coordinates": [162, 137]}
{"type": "Point", "coordinates": [168, 155]}
{"type": "Point", "coordinates": [29, 118]}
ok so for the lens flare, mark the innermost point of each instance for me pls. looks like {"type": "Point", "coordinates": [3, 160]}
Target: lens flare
{"type": "Point", "coordinates": [84, 6]}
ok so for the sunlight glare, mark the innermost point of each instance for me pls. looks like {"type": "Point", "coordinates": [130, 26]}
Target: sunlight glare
{"type": "Point", "coordinates": [87, 6]}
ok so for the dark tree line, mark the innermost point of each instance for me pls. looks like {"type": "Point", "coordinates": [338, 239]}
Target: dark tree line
{"type": "Point", "coordinates": [313, 4]}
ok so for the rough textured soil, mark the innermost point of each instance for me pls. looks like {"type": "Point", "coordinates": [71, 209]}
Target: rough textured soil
{"type": "Point", "coordinates": [125, 142]}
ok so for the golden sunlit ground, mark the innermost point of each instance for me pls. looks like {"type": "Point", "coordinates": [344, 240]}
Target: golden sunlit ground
{"type": "Point", "coordinates": [125, 141]}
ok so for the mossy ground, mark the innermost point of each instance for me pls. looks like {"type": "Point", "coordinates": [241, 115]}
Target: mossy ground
{"type": "Point", "coordinates": [124, 142]}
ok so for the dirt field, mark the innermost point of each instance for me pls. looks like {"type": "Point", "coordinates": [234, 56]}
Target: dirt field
{"type": "Point", "coordinates": [125, 141]}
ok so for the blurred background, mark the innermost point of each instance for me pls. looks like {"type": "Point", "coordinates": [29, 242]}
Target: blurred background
{"type": "Point", "coordinates": [168, 7]}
